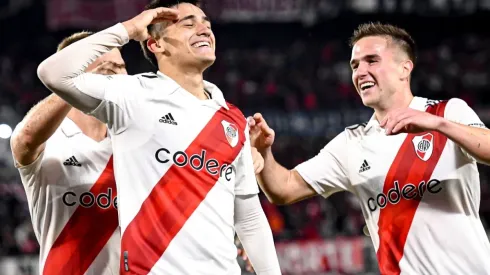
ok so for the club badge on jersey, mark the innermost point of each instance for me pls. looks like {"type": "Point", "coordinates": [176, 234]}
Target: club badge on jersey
{"type": "Point", "coordinates": [231, 132]}
{"type": "Point", "coordinates": [423, 146]}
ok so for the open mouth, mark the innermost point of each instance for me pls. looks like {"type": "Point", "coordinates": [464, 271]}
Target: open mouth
{"type": "Point", "coordinates": [201, 45]}
{"type": "Point", "coordinates": [367, 85]}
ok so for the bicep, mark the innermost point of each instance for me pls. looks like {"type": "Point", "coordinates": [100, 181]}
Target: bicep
{"type": "Point", "coordinates": [458, 111]}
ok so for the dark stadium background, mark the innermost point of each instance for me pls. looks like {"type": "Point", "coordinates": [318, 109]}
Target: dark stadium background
{"type": "Point", "coordinates": [288, 59]}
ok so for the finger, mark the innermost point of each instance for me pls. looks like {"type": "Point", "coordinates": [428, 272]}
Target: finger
{"type": "Point", "coordinates": [265, 128]}
{"type": "Point", "coordinates": [161, 11]}
{"type": "Point", "coordinates": [250, 121]}
{"type": "Point", "coordinates": [258, 117]}
{"type": "Point", "coordinates": [402, 126]}
{"type": "Point", "coordinates": [384, 121]}
{"type": "Point", "coordinates": [167, 14]}
{"type": "Point", "coordinates": [400, 116]}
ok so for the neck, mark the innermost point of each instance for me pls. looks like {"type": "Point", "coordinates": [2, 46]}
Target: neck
{"type": "Point", "coordinates": [398, 100]}
{"type": "Point", "coordinates": [89, 125]}
{"type": "Point", "coordinates": [191, 79]}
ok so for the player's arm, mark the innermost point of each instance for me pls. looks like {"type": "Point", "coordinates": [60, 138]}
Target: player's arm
{"type": "Point", "coordinates": [463, 126]}
{"type": "Point", "coordinates": [63, 72]}
{"type": "Point", "coordinates": [460, 124]}
{"type": "Point", "coordinates": [40, 123]}
{"type": "Point", "coordinates": [255, 234]}
{"type": "Point", "coordinates": [324, 174]}
{"type": "Point", "coordinates": [251, 224]}
{"type": "Point", "coordinates": [281, 185]}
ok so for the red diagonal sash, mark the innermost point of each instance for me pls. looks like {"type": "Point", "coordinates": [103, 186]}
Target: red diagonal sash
{"type": "Point", "coordinates": [177, 195]}
{"type": "Point", "coordinates": [86, 232]}
{"type": "Point", "coordinates": [395, 219]}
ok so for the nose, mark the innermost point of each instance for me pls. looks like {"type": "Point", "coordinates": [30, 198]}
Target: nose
{"type": "Point", "coordinates": [362, 69]}
{"type": "Point", "coordinates": [203, 30]}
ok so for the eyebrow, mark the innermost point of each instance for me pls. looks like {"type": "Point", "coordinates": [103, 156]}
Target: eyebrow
{"type": "Point", "coordinates": [369, 56]}
{"type": "Point", "coordinates": [193, 17]}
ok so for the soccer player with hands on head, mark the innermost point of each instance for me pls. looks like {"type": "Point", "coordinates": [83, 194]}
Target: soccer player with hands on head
{"type": "Point", "coordinates": [182, 156]}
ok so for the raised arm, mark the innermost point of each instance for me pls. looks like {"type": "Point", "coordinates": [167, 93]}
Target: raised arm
{"type": "Point", "coordinates": [40, 123]}
{"type": "Point", "coordinates": [63, 72]}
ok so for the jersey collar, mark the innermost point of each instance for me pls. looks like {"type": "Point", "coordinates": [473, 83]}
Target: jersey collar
{"type": "Point", "coordinates": [417, 103]}
{"type": "Point", "coordinates": [215, 92]}
{"type": "Point", "coordinates": [69, 127]}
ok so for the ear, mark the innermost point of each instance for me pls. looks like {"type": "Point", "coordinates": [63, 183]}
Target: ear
{"type": "Point", "coordinates": [406, 69]}
{"type": "Point", "coordinates": [155, 45]}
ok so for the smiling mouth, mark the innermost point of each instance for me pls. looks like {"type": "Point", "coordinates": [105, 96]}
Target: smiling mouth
{"type": "Point", "coordinates": [201, 45]}
{"type": "Point", "coordinates": [366, 85]}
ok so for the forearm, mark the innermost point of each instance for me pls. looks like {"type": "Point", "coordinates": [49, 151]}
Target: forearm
{"type": "Point", "coordinates": [255, 234]}
{"type": "Point", "coordinates": [273, 179]}
{"type": "Point", "coordinates": [474, 140]}
{"type": "Point", "coordinates": [61, 70]}
{"type": "Point", "coordinates": [37, 127]}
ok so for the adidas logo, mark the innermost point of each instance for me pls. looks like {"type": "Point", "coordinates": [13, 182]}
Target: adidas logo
{"type": "Point", "coordinates": [169, 119]}
{"type": "Point", "coordinates": [72, 162]}
{"type": "Point", "coordinates": [364, 167]}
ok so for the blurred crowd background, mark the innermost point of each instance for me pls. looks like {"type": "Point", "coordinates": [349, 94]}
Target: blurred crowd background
{"type": "Point", "coordinates": [288, 59]}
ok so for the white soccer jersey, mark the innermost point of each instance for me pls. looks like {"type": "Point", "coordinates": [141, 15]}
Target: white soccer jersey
{"type": "Point", "coordinates": [71, 194]}
{"type": "Point", "coordinates": [419, 193]}
{"type": "Point", "coordinates": [179, 163]}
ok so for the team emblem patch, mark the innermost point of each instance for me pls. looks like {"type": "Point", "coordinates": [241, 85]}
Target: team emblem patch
{"type": "Point", "coordinates": [231, 132]}
{"type": "Point", "coordinates": [423, 146]}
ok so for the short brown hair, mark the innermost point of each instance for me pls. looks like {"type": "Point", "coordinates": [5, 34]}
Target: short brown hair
{"type": "Point", "coordinates": [397, 35]}
{"type": "Point", "coordinates": [153, 30]}
{"type": "Point", "coordinates": [67, 41]}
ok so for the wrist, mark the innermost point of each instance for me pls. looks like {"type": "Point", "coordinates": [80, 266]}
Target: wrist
{"type": "Point", "coordinates": [130, 28]}
{"type": "Point", "coordinates": [266, 153]}
{"type": "Point", "coordinates": [442, 125]}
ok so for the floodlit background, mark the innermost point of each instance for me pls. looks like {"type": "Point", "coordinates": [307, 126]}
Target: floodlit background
{"type": "Point", "coordinates": [288, 59]}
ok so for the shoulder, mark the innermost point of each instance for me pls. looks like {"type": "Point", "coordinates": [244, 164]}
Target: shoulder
{"type": "Point", "coordinates": [236, 114]}
{"type": "Point", "coordinates": [356, 130]}
{"type": "Point", "coordinates": [234, 109]}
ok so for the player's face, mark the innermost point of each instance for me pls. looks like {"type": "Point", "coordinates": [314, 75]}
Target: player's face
{"type": "Point", "coordinates": [189, 40]}
{"type": "Point", "coordinates": [374, 69]}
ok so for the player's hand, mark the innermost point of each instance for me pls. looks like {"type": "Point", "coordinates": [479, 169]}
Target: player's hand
{"type": "Point", "coordinates": [109, 68]}
{"type": "Point", "coordinates": [261, 135]}
{"type": "Point", "coordinates": [408, 120]}
{"type": "Point", "coordinates": [137, 26]}
{"type": "Point", "coordinates": [248, 265]}
{"type": "Point", "coordinates": [258, 161]}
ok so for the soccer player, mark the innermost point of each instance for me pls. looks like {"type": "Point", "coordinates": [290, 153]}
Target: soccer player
{"type": "Point", "coordinates": [64, 158]}
{"type": "Point", "coordinates": [413, 165]}
{"type": "Point", "coordinates": [182, 155]}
